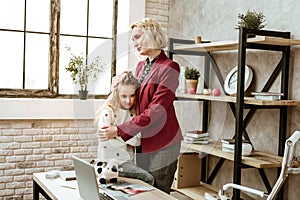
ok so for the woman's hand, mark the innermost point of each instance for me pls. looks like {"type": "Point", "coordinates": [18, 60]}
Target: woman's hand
{"type": "Point", "coordinates": [107, 133]}
{"type": "Point", "coordinates": [115, 81]}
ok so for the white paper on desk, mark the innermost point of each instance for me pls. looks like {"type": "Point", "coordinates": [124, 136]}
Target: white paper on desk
{"type": "Point", "coordinates": [140, 187]}
{"type": "Point", "coordinates": [125, 188]}
{"type": "Point", "coordinates": [127, 184]}
{"type": "Point", "coordinates": [117, 194]}
{"type": "Point", "coordinates": [69, 184]}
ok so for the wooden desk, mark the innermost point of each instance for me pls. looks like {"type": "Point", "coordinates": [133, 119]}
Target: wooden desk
{"type": "Point", "coordinates": [52, 189]}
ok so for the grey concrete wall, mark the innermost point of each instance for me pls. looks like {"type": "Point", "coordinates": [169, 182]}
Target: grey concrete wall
{"type": "Point", "coordinates": [215, 20]}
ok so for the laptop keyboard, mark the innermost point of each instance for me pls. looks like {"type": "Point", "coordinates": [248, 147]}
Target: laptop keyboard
{"type": "Point", "coordinates": [104, 197]}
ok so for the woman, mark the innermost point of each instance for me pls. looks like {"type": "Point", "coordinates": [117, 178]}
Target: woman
{"type": "Point", "coordinates": [156, 118]}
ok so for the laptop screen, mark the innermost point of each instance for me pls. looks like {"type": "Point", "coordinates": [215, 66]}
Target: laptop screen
{"type": "Point", "coordinates": [88, 185]}
{"type": "Point", "coordinates": [86, 179]}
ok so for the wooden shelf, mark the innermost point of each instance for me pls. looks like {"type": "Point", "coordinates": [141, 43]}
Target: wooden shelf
{"type": "Point", "coordinates": [198, 192]}
{"type": "Point", "coordinates": [257, 159]}
{"type": "Point", "coordinates": [208, 47]}
{"type": "Point", "coordinates": [274, 41]}
{"type": "Point", "coordinates": [232, 99]}
{"type": "Point", "coordinates": [233, 44]}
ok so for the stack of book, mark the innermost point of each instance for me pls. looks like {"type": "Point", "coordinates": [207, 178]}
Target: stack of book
{"type": "Point", "coordinates": [228, 145]}
{"type": "Point", "coordinates": [196, 137]}
{"type": "Point", "coordinates": [271, 96]}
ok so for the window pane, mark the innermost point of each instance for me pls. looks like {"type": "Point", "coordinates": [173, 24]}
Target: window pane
{"type": "Point", "coordinates": [122, 52]}
{"type": "Point", "coordinates": [97, 47]}
{"type": "Point", "coordinates": [123, 16]}
{"type": "Point", "coordinates": [73, 17]}
{"type": "Point", "coordinates": [38, 19]}
{"type": "Point", "coordinates": [11, 56]}
{"type": "Point", "coordinates": [37, 61]}
{"type": "Point", "coordinates": [103, 49]}
{"type": "Point", "coordinates": [12, 14]}
{"type": "Point", "coordinates": [123, 37]}
{"type": "Point", "coordinates": [100, 18]}
{"type": "Point", "coordinates": [73, 21]}
{"type": "Point", "coordinates": [78, 47]}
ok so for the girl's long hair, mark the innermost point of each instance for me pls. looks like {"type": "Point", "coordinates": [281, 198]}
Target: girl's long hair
{"type": "Point", "coordinates": [113, 101]}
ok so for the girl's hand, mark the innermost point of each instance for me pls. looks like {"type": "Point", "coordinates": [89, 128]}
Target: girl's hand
{"type": "Point", "coordinates": [108, 132]}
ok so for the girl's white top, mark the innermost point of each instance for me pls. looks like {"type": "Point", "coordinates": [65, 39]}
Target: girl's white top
{"type": "Point", "coordinates": [116, 148]}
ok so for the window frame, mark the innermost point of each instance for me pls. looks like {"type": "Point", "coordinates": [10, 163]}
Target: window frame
{"type": "Point", "coordinates": [53, 78]}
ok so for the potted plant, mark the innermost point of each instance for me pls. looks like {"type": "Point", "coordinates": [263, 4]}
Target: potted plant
{"type": "Point", "coordinates": [191, 75]}
{"type": "Point", "coordinates": [251, 20]}
{"type": "Point", "coordinates": [83, 73]}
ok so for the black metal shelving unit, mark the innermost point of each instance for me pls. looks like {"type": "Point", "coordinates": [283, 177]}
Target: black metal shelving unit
{"type": "Point", "coordinates": [238, 107]}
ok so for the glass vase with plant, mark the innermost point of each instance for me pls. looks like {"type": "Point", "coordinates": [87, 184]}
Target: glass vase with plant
{"type": "Point", "coordinates": [83, 72]}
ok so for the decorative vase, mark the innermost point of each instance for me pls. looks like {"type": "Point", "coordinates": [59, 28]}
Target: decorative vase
{"type": "Point", "coordinates": [83, 94]}
{"type": "Point", "coordinates": [191, 86]}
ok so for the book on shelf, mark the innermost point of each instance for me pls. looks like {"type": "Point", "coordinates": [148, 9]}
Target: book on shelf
{"type": "Point", "coordinates": [232, 141]}
{"type": "Point", "coordinates": [196, 134]}
{"type": "Point", "coordinates": [191, 140]}
{"type": "Point", "coordinates": [196, 139]}
{"type": "Point", "coordinates": [227, 150]}
{"type": "Point", "coordinates": [270, 96]}
{"type": "Point", "coordinates": [246, 149]}
{"type": "Point", "coordinates": [196, 142]}
{"type": "Point", "coordinates": [229, 147]}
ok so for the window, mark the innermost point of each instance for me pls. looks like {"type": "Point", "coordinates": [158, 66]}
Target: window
{"type": "Point", "coordinates": [24, 42]}
{"type": "Point", "coordinates": [86, 28]}
{"type": "Point", "coordinates": [33, 51]}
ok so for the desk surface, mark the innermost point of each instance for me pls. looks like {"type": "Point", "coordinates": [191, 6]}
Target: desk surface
{"type": "Point", "coordinates": [54, 188]}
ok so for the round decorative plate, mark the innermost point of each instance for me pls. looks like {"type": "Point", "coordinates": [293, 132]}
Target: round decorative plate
{"type": "Point", "coordinates": [230, 83]}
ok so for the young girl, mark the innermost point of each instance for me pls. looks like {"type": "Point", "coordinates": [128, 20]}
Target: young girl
{"type": "Point", "coordinates": [118, 108]}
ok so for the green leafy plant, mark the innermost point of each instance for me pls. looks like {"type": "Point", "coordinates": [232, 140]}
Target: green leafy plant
{"type": "Point", "coordinates": [191, 73]}
{"type": "Point", "coordinates": [81, 72]}
{"type": "Point", "coordinates": [251, 20]}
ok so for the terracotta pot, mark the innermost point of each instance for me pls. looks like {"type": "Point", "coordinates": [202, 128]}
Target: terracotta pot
{"type": "Point", "coordinates": [191, 86]}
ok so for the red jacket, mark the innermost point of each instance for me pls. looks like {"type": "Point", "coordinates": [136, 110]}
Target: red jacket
{"type": "Point", "coordinates": [156, 118]}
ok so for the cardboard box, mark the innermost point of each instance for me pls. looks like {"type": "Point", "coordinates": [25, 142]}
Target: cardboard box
{"type": "Point", "coordinates": [188, 172]}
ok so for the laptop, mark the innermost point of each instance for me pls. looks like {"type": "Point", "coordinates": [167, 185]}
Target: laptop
{"type": "Point", "coordinates": [88, 185]}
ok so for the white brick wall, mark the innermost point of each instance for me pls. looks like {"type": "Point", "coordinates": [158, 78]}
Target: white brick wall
{"type": "Point", "coordinates": [33, 146]}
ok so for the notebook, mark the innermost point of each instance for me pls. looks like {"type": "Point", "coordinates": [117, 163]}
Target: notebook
{"type": "Point", "coordinates": [88, 185]}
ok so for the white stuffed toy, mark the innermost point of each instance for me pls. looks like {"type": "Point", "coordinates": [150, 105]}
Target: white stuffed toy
{"type": "Point", "coordinates": [107, 172]}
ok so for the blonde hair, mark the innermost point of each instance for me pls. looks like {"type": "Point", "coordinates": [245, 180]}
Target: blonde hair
{"type": "Point", "coordinates": [113, 101]}
{"type": "Point", "coordinates": [153, 33]}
